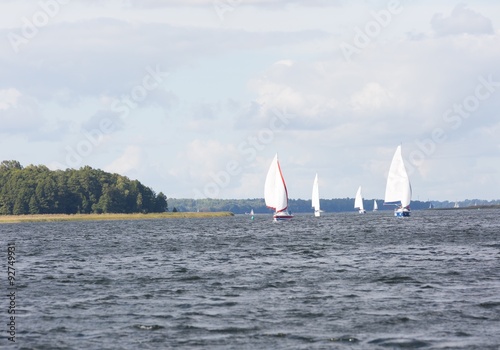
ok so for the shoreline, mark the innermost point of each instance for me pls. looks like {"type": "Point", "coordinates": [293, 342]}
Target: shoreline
{"type": "Point", "coordinates": [494, 206]}
{"type": "Point", "coordinates": [13, 219]}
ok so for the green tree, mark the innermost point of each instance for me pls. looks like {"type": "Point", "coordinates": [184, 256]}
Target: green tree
{"type": "Point", "coordinates": [10, 164]}
{"type": "Point", "coordinates": [36, 189]}
{"type": "Point", "coordinates": [33, 205]}
{"type": "Point", "coordinates": [161, 203]}
{"type": "Point", "coordinates": [19, 207]}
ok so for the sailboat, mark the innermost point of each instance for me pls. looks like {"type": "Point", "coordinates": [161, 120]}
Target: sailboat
{"type": "Point", "coordinates": [252, 215]}
{"type": "Point", "coordinates": [358, 202]}
{"type": "Point", "coordinates": [275, 192]}
{"type": "Point", "coordinates": [315, 197]}
{"type": "Point", "coordinates": [375, 205]}
{"type": "Point", "coordinates": [398, 189]}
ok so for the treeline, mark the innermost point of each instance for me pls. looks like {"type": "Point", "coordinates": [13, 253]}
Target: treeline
{"type": "Point", "coordinates": [39, 190]}
{"type": "Point", "coordinates": [241, 206]}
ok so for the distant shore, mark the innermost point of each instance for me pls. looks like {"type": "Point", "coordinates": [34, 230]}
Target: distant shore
{"type": "Point", "coordinates": [470, 207]}
{"type": "Point", "coordinates": [9, 219]}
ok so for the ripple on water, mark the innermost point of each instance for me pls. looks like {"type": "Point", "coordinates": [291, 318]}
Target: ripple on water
{"type": "Point", "coordinates": [400, 343]}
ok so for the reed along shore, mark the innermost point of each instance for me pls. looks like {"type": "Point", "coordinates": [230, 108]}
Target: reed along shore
{"type": "Point", "coordinates": [7, 219]}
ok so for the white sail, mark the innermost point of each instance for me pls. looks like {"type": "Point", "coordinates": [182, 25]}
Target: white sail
{"type": "Point", "coordinates": [375, 205]}
{"type": "Point", "coordinates": [275, 192]}
{"type": "Point", "coordinates": [315, 197]}
{"type": "Point", "coordinates": [358, 201]}
{"type": "Point", "coordinates": [398, 189]}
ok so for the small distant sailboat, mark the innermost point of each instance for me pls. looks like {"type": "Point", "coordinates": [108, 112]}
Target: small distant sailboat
{"type": "Point", "coordinates": [358, 202]}
{"type": "Point", "coordinates": [315, 197]}
{"type": "Point", "coordinates": [252, 214]}
{"type": "Point", "coordinates": [456, 205]}
{"type": "Point", "coordinates": [275, 192]}
{"type": "Point", "coordinates": [398, 188]}
{"type": "Point", "coordinates": [375, 205]}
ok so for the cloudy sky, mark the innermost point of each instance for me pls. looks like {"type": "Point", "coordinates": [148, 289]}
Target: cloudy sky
{"type": "Point", "coordinates": [194, 97]}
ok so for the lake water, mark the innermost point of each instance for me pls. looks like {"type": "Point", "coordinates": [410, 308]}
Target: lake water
{"type": "Point", "coordinates": [342, 281]}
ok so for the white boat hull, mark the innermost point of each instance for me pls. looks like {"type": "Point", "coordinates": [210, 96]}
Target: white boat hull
{"type": "Point", "coordinates": [282, 216]}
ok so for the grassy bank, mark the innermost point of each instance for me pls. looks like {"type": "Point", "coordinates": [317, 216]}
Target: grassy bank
{"type": "Point", "coordinates": [5, 219]}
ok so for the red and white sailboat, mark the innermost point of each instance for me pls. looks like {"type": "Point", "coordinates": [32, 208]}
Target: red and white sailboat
{"type": "Point", "coordinates": [275, 192]}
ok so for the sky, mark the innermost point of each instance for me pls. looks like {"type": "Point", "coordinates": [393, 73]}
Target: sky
{"type": "Point", "coordinates": [195, 97]}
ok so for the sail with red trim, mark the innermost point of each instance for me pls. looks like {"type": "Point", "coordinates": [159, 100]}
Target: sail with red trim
{"type": "Point", "coordinates": [275, 191]}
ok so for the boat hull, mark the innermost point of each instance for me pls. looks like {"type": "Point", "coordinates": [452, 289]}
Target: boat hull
{"type": "Point", "coordinates": [402, 213]}
{"type": "Point", "coordinates": [282, 216]}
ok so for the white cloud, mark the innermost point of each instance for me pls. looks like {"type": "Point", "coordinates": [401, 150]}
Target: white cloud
{"type": "Point", "coordinates": [462, 20]}
{"type": "Point", "coordinates": [130, 160]}
{"type": "Point", "coordinates": [287, 63]}
{"type": "Point", "coordinates": [203, 158]}
{"type": "Point", "coordinates": [19, 114]}
{"type": "Point", "coordinates": [108, 57]}
{"type": "Point", "coordinates": [9, 98]}
{"type": "Point", "coordinates": [371, 98]}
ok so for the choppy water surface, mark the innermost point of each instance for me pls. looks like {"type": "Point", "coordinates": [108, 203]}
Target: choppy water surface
{"type": "Point", "coordinates": [343, 281]}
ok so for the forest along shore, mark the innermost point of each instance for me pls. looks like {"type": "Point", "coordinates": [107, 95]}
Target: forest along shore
{"type": "Point", "coordinates": [8, 219]}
